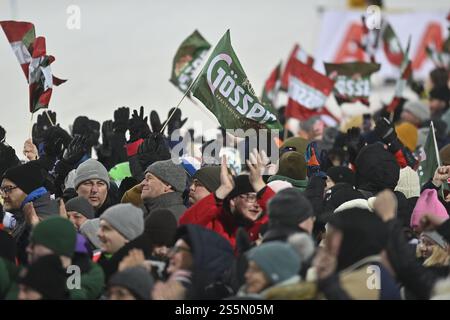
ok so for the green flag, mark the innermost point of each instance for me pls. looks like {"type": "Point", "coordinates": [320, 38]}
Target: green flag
{"type": "Point", "coordinates": [430, 159]}
{"type": "Point", "coordinates": [223, 87]}
{"type": "Point", "coordinates": [188, 59]}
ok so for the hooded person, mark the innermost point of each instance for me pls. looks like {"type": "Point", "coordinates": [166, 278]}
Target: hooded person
{"type": "Point", "coordinates": [21, 185]}
{"type": "Point", "coordinates": [415, 113]}
{"type": "Point", "coordinates": [92, 182]}
{"type": "Point", "coordinates": [131, 284]}
{"type": "Point", "coordinates": [292, 168]}
{"type": "Point", "coordinates": [45, 279]}
{"type": "Point", "coordinates": [163, 187]}
{"type": "Point", "coordinates": [243, 206]}
{"type": "Point", "coordinates": [272, 264]}
{"type": "Point", "coordinates": [198, 264]}
{"type": "Point", "coordinates": [204, 181]}
{"type": "Point", "coordinates": [439, 101]}
{"type": "Point", "coordinates": [359, 237]}
{"type": "Point", "coordinates": [297, 144]}
{"type": "Point", "coordinates": [79, 211]}
{"type": "Point", "coordinates": [289, 211]}
{"type": "Point", "coordinates": [376, 169]}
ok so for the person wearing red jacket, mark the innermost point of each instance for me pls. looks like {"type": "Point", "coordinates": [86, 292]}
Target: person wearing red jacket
{"type": "Point", "coordinates": [239, 202]}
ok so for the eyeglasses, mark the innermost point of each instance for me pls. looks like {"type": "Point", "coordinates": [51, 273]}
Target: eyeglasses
{"type": "Point", "coordinates": [249, 197]}
{"type": "Point", "coordinates": [6, 190]}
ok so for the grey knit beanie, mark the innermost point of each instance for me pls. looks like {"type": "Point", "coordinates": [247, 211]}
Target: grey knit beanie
{"type": "Point", "coordinates": [278, 260]}
{"type": "Point", "coordinates": [82, 206]}
{"type": "Point", "coordinates": [90, 169]}
{"type": "Point", "coordinates": [89, 229]}
{"type": "Point", "coordinates": [170, 173]}
{"type": "Point", "coordinates": [136, 279]}
{"type": "Point", "coordinates": [127, 219]}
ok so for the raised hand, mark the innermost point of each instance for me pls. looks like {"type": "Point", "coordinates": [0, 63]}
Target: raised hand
{"type": "Point", "coordinates": [121, 118]}
{"type": "Point", "coordinates": [385, 205]}
{"type": "Point", "coordinates": [226, 180]}
{"type": "Point", "coordinates": [441, 175]}
{"type": "Point", "coordinates": [76, 150]}
{"type": "Point", "coordinates": [138, 126]}
{"type": "Point", "coordinates": [256, 167]}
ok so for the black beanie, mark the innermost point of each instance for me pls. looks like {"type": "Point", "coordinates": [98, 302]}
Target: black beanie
{"type": "Point", "coordinates": [288, 208]}
{"type": "Point", "coordinates": [241, 186]}
{"type": "Point", "coordinates": [209, 177]}
{"type": "Point", "coordinates": [160, 227]}
{"type": "Point", "coordinates": [341, 174]}
{"type": "Point", "coordinates": [28, 177]}
{"type": "Point", "coordinates": [47, 277]}
{"type": "Point", "coordinates": [7, 247]}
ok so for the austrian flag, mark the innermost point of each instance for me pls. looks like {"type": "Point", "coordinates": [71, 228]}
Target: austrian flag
{"type": "Point", "coordinates": [308, 91]}
{"type": "Point", "coordinates": [31, 54]}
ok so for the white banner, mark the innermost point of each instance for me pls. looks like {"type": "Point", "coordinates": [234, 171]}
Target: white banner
{"type": "Point", "coordinates": [340, 30]}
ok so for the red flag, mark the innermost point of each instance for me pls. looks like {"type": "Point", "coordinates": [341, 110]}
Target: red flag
{"type": "Point", "coordinates": [35, 63]}
{"type": "Point", "coordinates": [271, 86]}
{"type": "Point", "coordinates": [308, 92]}
{"type": "Point", "coordinates": [297, 54]}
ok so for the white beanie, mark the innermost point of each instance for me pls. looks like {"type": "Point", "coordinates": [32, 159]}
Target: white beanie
{"type": "Point", "coordinates": [408, 183]}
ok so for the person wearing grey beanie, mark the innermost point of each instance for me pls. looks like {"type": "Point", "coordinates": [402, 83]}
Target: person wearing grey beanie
{"type": "Point", "coordinates": [415, 112]}
{"type": "Point", "coordinates": [79, 210]}
{"type": "Point", "coordinates": [163, 187]}
{"type": "Point", "coordinates": [271, 264]}
{"type": "Point", "coordinates": [131, 284]}
{"type": "Point", "coordinates": [92, 182]}
{"type": "Point", "coordinates": [120, 224]}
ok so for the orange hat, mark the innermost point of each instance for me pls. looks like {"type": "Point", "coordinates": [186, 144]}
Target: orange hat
{"type": "Point", "coordinates": [407, 134]}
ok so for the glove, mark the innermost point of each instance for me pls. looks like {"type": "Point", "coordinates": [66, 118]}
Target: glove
{"type": "Point", "coordinates": [386, 132]}
{"type": "Point", "coordinates": [354, 142]}
{"type": "Point", "coordinates": [76, 150]}
{"type": "Point", "coordinates": [55, 140]}
{"type": "Point", "coordinates": [138, 126]}
{"type": "Point", "coordinates": [155, 122]}
{"type": "Point", "coordinates": [42, 124]}
{"type": "Point", "coordinates": [313, 164]}
{"type": "Point", "coordinates": [121, 118]}
{"type": "Point", "coordinates": [175, 122]}
{"type": "Point", "coordinates": [107, 132]}
{"type": "Point", "coordinates": [153, 149]}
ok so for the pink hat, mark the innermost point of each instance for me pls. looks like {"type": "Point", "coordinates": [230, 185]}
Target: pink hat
{"type": "Point", "coordinates": [428, 202]}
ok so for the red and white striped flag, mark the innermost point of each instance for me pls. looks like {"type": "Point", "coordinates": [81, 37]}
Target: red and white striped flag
{"type": "Point", "coordinates": [308, 92]}
{"type": "Point", "coordinates": [34, 61]}
{"type": "Point", "coordinates": [297, 54]}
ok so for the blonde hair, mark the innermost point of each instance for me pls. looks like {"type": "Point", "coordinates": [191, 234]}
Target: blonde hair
{"type": "Point", "coordinates": [439, 257]}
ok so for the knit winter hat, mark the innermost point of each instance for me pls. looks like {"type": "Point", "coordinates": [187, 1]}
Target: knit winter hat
{"type": "Point", "coordinates": [136, 279]}
{"type": "Point", "coordinates": [47, 276]}
{"type": "Point", "coordinates": [57, 234]}
{"type": "Point", "coordinates": [170, 173]}
{"type": "Point", "coordinates": [278, 185]}
{"type": "Point", "coordinates": [408, 183]}
{"type": "Point", "coordinates": [436, 237]}
{"type": "Point", "coordinates": [428, 202]}
{"type": "Point", "coordinates": [91, 169]}
{"type": "Point", "coordinates": [294, 144]}
{"type": "Point", "coordinates": [341, 174]}
{"type": "Point", "coordinates": [276, 259]}
{"type": "Point", "coordinates": [292, 165]}
{"type": "Point", "coordinates": [28, 177]}
{"type": "Point", "coordinates": [407, 133]}
{"type": "Point", "coordinates": [418, 109]}
{"type": "Point", "coordinates": [288, 208]}
{"type": "Point", "coordinates": [444, 154]}
{"type": "Point", "coordinates": [209, 177]}
{"type": "Point", "coordinates": [82, 206]}
{"type": "Point", "coordinates": [89, 229]}
{"type": "Point", "coordinates": [161, 227]}
{"type": "Point", "coordinates": [127, 219]}
{"type": "Point", "coordinates": [241, 186]}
